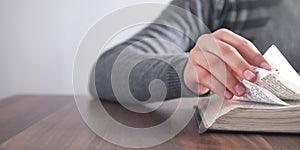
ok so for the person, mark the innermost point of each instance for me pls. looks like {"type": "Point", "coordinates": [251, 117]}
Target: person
{"type": "Point", "coordinates": [179, 49]}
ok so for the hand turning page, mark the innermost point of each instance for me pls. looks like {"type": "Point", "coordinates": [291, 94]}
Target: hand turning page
{"type": "Point", "coordinates": [271, 87]}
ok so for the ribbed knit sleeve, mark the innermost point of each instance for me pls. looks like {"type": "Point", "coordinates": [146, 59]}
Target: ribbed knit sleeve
{"type": "Point", "coordinates": [150, 64]}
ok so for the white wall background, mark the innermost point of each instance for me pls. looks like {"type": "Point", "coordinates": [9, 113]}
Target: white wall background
{"type": "Point", "coordinates": [39, 38]}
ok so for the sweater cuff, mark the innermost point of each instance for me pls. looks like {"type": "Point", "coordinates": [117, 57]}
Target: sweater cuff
{"type": "Point", "coordinates": [175, 78]}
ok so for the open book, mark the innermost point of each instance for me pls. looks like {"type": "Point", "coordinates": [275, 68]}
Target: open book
{"type": "Point", "coordinates": [272, 103]}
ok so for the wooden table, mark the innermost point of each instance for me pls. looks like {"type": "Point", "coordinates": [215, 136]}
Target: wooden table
{"type": "Point", "coordinates": [53, 122]}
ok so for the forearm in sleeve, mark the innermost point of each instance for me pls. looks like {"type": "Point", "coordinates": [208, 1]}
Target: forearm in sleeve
{"type": "Point", "coordinates": [151, 63]}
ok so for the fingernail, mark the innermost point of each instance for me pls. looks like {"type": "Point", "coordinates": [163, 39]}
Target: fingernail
{"type": "Point", "coordinates": [228, 95]}
{"type": "Point", "coordinates": [239, 89]}
{"type": "Point", "coordinates": [249, 75]}
{"type": "Point", "coordinates": [265, 66]}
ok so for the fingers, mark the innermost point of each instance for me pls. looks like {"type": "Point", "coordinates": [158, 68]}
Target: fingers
{"type": "Point", "coordinates": [216, 66]}
{"type": "Point", "coordinates": [235, 61]}
{"type": "Point", "coordinates": [229, 55]}
{"type": "Point", "coordinates": [191, 79]}
{"type": "Point", "coordinates": [206, 79]}
{"type": "Point", "coordinates": [222, 60]}
{"type": "Point", "coordinates": [248, 51]}
{"type": "Point", "coordinates": [299, 73]}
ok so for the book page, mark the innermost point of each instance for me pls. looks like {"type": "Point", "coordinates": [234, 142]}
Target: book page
{"type": "Point", "coordinates": [279, 86]}
{"type": "Point", "coordinates": [270, 89]}
{"type": "Point", "coordinates": [261, 95]}
{"type": "Point", "coordinates": [239, 103]}
{"type": "Point", "coordinates": [272, 86]}
{"type": "Point", "coordinates": [279, 63]}
{"type": "Point", "coordinates": [284, 82]}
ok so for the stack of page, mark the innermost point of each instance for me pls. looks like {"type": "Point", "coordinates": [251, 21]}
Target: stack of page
{"type": "Point", "coordinates": [272, 103]}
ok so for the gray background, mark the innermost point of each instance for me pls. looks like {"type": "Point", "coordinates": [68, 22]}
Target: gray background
{"type": "Point", "coordinates": [39, 39]}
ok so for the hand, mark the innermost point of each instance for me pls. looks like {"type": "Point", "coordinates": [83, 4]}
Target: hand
{"type": "Point", "coordinates": [216, 50]}
{"type": "Point", "coordinates": [299, 73]}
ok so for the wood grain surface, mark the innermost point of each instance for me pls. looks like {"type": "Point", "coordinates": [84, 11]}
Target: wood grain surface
{"type": "Point", "coordinates": [53, 122]}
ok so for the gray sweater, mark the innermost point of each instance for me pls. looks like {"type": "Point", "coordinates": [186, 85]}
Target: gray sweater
{"type": "Point", "coordinates": [149, 65]}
